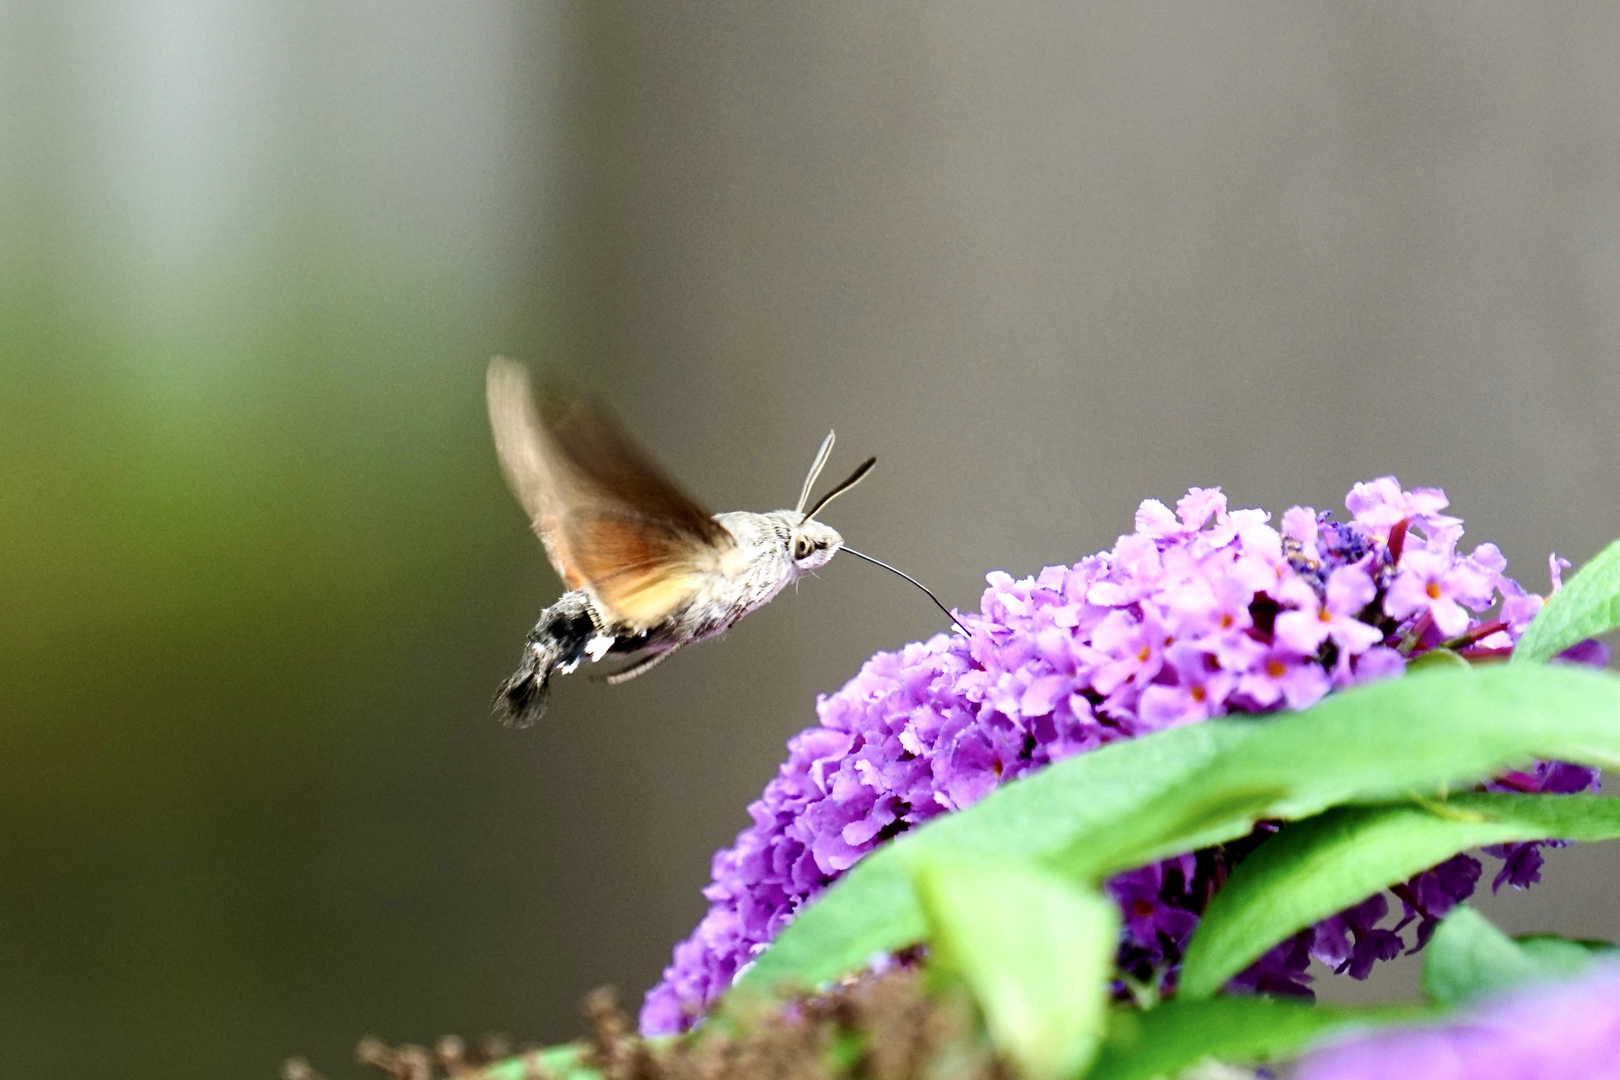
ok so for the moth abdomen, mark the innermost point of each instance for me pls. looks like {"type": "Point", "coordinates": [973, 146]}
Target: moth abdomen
{"type": "Point", "coordinates": [556, 645]}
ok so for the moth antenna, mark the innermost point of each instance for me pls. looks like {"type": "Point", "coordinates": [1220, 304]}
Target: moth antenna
{"type": "Point", "coordinates": [854, 478]}
{"type": "Point", "coordinates": [815, 470]}
{"type": "Point", "coordinates": [914, 581]}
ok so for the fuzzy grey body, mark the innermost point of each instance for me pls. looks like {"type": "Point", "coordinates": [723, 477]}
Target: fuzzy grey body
{"type": "Point", "coordinates": [647, 568]}
{"type": "Point", "coordinates": [772, 551]}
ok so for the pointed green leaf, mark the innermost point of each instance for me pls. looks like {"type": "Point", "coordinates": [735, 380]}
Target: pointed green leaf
{"type": "Point", "coordinates": [1315, 868]}
{"type": "Point", "coordinates": [1035, 950]}
{"type": "Point", "coordinates": [1469, 958]}
{"type": "Point", "coordinates": [1588, 606]}
{"type": "Point", "coordinates": [1166, 1041]}
{"type": "Point", "coordinates": [1130, 803]}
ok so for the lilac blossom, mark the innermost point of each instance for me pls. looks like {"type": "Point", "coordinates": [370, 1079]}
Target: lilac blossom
{"type": "Point", "coordinates": [1332, 616]}
{"type": "Point", "coordinates": [1201, 611]}
{"type": "Point", "coordinates": [1448, 589]}
{"type": "Point", "coordinates": [1542, 1033]}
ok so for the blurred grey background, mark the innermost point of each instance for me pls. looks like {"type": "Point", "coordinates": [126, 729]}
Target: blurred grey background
{"type": "Point", "coordinates": [260, 575]}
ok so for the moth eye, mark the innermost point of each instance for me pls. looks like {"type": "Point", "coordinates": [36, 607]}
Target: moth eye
{"type": "Point", "coordinates": [802, 547]}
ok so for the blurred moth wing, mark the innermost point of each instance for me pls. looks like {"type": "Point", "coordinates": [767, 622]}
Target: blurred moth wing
{"type": "Point", "coordinates": [613, 524]}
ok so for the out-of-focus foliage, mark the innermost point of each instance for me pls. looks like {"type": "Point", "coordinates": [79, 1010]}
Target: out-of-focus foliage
{"type": "Point", "coordinates": [1036, 951]}
{"type": "Point", "coordinates": [1470, 959]}
{"type": "Point", "coordinates": [255, 558]}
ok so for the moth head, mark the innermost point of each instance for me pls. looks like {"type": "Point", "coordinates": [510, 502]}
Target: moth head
{"type": "Point", "coordinates": [812, 545]}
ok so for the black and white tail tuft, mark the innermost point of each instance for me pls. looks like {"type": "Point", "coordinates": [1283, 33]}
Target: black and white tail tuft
{"type": "Point", "coordinates": [556, 646]}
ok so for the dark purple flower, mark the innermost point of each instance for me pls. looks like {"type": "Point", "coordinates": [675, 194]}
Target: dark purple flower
{"type": "Point", "coordinates": [1150, 921]}
{"type": "Point", "coordinates": [1591, 652]}
{"type": "Point", "coordinates": [1559, 1032]}
{"type": "Point", "coordinates": [1201, 611]}
{"type": "Point", "coordinates": [1350, 942]}
{"type": "Point", "coordinates": [1562, 778]}
{"type": "Point", "coordinates": [1430, 896]}
{"type": "Point", "coordinates": [1521, 862]}
{"type": "Point", "coordinates": [1281, 972]}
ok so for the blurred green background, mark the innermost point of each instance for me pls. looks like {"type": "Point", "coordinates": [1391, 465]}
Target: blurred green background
{"type": "Point", "coordinates": [259, 573]}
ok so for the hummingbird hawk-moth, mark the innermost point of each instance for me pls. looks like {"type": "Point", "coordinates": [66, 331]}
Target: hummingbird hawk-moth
{"type": "Point", "coordinates": [647, 568]}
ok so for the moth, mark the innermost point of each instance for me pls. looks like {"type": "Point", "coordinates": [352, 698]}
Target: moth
{"type": "Point", "coordinates": [647, 568]}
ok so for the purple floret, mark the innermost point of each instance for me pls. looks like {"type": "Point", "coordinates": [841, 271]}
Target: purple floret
{"type": "Point", "coordinates": [1200, 612]}
{"type": "Point", "coordinates": [1431, 895]}
{"type": "Point", "coordinates": [1351, 942]}
{"type": "Point", "coordinates": [1155, 927]}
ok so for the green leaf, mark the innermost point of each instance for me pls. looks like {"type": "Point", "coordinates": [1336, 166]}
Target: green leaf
{"type": "Point", "coordinates": [1586, 607]}
{"type": "Point", "coordinates": [1436, 658]}
{"type": "Point", "coordinates": [1318, 867]}
{"type": "Point", "coordinates": [1165, 1041]}
{"type": "Point", "coordinates": [1469, 958]}
{"type": "Point", "coordinates": [1131, 803]}
{"type": "Point", "coordinates": [1566, 955]}
{"type": "Point", "coordinates": [1035, 950]}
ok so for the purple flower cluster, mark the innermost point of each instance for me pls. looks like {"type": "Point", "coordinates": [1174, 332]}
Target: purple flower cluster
{"type": "Point", "coordinates": [1547, 1033]}
{"type": "Point", "coordinates": [1199, 612]}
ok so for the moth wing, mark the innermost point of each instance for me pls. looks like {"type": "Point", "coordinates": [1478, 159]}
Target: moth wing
{"type": "Point", "coordinates": [528, 462]}
{"type": "Point", "coordinates": [638, 569]}
{"type": "Point", "coordinates": [612, 522]}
